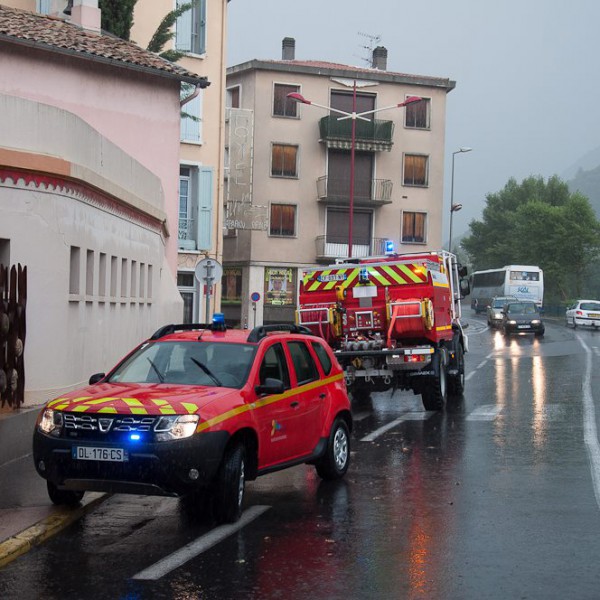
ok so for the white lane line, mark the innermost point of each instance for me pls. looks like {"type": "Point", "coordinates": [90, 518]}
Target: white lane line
{"type": "Point", "coordinates": [193, 549]}
{"type": "Point", "coordinates": [590, 433]}
{"type": "Point", "coordinates": [479, 366]}
{"type": "Point", "coordinates": [487, 412]}
{"type": "Point", "coordinates": [422, 416]}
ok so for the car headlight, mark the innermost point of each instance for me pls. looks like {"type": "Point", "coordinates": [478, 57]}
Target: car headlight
{"type": "Point", "coordinates": [175, 427]}
{"type": "Point", "coordinates": [512, 322]}
{"type": "Point", "coordinates": [535, 322]}
{"type": "Point", "coordinates": [51, 422]}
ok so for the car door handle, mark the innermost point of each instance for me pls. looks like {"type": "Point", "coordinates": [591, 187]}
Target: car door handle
{"type": "Point", "coordinates": [322, 396]}
{"type": "Point", "coordinates": [295, 404]}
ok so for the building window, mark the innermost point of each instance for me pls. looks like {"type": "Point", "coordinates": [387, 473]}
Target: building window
{"type": "Point", "coordinates": [102, 270]}
{"type": "Point", "coordinates": [282, 221]}
{"type": "Point", "coordinates": [124, 273]}
{"type": "Point", "coordinates": [233, 97]}
{"type": "Point", "coordinates": [416, 169]}
{"type": "Point", "coordinates": [282, 105]}
{"type": "Point", "coordinates": [195, 208]}
{"type": "Point", "coordinates": [186, 283]}
{"type": "Point", "coordinates": [416, 115]}
{"type": "Point", "coordinates": [284, 160]}
{"type": "Point", "coordinates": [414, 227]}
{"type": "Point", "coordinates": [191, 119]}
{"type": "Point", "coordinates": [231, 285]}
{"type": "Point", "coordinates": [89, 274]}
{"type": "Point", "coordinates": [191, 27]}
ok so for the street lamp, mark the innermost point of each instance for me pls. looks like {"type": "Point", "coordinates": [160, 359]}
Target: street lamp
{"type": "Point", "coordinates": [353, 115]}
{"type": "Point", "coordinates": [454, 207]}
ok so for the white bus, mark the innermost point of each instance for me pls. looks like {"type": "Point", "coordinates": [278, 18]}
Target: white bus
{"type": "Point", "coordinates": [525, 282]}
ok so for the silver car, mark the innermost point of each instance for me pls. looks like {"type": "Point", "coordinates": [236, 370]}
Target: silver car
{"type": "Point", "coordinates": [584, 312]}
{"type": "Point", "coordinates": [494, 310]}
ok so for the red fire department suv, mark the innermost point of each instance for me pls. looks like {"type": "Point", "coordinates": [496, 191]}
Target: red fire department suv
{"type": "Point", "coordinates": [198, 410]}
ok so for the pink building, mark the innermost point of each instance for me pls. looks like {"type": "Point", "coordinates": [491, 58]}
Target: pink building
{"type": "Point", "coordinates": [89, 168]}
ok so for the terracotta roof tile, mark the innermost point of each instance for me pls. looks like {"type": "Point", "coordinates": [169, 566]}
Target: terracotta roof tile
{"type": "Point", "coordinates": [56, 35]}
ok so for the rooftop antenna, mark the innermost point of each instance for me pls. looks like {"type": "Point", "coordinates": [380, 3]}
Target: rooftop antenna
{"type": "Point", "coordinates": [373, 40]}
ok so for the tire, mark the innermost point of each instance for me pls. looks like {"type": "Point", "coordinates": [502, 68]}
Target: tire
{"type": "Point", "coordinates": [63, 497]}
{"type": "Point", "coordinates": [435, 391]}
{"type": "Point", "coordinates": [230, 485]}
{"type": "Point", "coordinates": [456, 383]}
{"type": "Point", "coordinates": [334, 463]}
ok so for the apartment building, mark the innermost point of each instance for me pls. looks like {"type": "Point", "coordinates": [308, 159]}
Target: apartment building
{"type": "Point", "coordinates": [290, 200]}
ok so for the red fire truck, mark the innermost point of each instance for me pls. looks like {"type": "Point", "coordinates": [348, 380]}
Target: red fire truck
{"type": "Point", "coordinates": [393, 322]}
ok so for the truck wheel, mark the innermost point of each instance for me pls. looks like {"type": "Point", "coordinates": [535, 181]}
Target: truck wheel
{"type": "Point", "coordinates": [456, 383]}
{"type": "Point", "coordinates": [435, 392]}
{"type": "Point", "coordinates": [334, 463]}
{"type": "Point", "coordinates": [230, 484]}
{"type": "Point", "coordinates": [68, 497]}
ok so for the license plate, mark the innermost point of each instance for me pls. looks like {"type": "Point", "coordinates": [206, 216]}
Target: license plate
{"type": "Point", "coordinates": [594, 316]}
{"type": "Point", "coordinates": [522, 326]}
{"type": "Point", "coordinates": [100, 454]}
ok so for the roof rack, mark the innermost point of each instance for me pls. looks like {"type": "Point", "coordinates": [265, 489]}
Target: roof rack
{"type": "Point", "coordinates": [261, 331]}
{"type": "Point", "coordinates": [169, 329]}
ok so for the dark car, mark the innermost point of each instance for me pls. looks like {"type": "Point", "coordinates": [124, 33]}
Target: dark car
{"type": "Point", "coordinates": [521, 317]}
{"type": "Point", "coordinates": [197, 411]}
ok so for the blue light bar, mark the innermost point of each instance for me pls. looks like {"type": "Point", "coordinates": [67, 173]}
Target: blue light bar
{"type": "Point", "coordinates": [389, 247]}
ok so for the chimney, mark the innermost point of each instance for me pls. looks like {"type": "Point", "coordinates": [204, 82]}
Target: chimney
{"type": "Point", "coordinates": [379, 58]}
{"type": "Point", "coordinates": [288, 49]}
{"type": "Point", "coordinates": [84, 13]}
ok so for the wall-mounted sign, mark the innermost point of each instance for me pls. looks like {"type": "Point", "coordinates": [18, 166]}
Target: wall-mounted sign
{"type": "Point", "coordinates": [279, 286]}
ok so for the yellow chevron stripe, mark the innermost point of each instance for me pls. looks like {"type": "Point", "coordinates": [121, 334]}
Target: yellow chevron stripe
{"type": "Point", "coordinates": [191, 408]}
{"type": "Point", "coordinates": [107, 409]}
{"type": "Point", "coordinates": [316, 284]}
{"type": "Point", "coordinates": [411, 274]}
{"type": "Point", "coordinates": [376, 274]}
{"type": "Point", "coordinates": [393, 273]}
{"type": "Point", "coordinates": [332, 284]}
{"type": "Point", "coordinates": [99, 401]}
{"type": "Point", "coordinates": [80, 408]}
{"type": "Point", "coordinates": [351, 277]}
{"type": "Point", "coordinates": [138, 411]}
{"type": "Point", "coordinates": [230, 414]}
{"type": "Point", "coordinates": [167, 411]}
{"type": "Point", "coordinates": [132, 402]}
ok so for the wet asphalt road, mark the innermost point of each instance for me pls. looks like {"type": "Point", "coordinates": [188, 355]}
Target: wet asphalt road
{"type": "Point", "coordinates": [497, 497]}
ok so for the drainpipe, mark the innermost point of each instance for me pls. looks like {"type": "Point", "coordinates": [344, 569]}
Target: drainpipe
{"type": "Point", "coordinates": [191, 96]}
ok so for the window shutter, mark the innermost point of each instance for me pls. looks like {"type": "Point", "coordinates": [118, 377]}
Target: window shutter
{"type": "Point", "coordinates": [183, 38]}
{"type": "Point", "coordinates": [205, 208]}
{"type": "Point", "coordinates": [191, 128]}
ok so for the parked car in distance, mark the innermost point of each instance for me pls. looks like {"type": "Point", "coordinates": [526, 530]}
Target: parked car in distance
{"type": "Point", "coordinates": [522, 316]}
{"type": "Point", "coordinates": [196, 411]}
{"type": "Point", "coordinates": [494, 309]}
{"type": "Point", "coordinates": [585, 313]}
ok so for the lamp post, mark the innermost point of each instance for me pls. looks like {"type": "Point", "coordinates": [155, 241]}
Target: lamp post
{"type": "Point", "coordinates": [454, 207]}
{"type": "Point", "coordinates": [353, 115]}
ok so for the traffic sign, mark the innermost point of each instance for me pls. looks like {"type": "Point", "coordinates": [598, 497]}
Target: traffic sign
{"type": "Point", "coordinates": [255, 297]}
{"type": "Point", "coordinates": [208, 271]}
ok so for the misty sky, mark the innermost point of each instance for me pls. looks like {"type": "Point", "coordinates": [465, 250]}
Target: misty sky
{"type": "Point", "coordinates": [527, 84]}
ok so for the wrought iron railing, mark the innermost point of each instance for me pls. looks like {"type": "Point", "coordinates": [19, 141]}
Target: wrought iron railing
{"type": "Point", "coordinates": [366, 191]}
{"type": "Point", "coordinates": [331, 247]}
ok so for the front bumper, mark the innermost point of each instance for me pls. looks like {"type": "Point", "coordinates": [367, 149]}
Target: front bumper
{"type": "Point", "coordinates": [154, 468]}
{"type": "Point", "coordinates": [525, 327]}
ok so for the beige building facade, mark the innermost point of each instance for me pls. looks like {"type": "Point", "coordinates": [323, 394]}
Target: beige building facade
{"type": "Point", "coordinates": [288, 188]}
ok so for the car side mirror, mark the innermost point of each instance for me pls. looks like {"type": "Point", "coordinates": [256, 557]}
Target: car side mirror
{"type": "Point", "coordinates": [96, 377]}
{"type": "Point", "coordinates": [465, 288]}
{"type": "Point", "coordinates": [270, 386]}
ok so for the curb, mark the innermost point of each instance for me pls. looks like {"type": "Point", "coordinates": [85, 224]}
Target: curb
{"type": "Point", "coordinates": [35, 535]}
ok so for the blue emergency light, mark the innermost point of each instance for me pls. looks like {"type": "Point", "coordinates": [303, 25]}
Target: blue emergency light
{"type": "Point", "coordinates": [218, 322]}
{"type": "Point", "coordinates": [389, 247]}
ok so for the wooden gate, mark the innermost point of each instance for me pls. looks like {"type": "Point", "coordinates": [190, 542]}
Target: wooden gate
{"type": "Point", "coordinates": [13, 300]}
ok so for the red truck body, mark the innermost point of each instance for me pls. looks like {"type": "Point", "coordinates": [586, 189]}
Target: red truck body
{"type": "Point", "coordinates": [393, 322]}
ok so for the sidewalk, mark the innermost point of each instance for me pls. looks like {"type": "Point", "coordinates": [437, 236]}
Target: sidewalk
{"type": "Point", "coordinates": [27, 516]}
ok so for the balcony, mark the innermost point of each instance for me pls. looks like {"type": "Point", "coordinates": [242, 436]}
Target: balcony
{"type": "Point", "coordinates": [371, 136]}
{"type": "Point", "coordinates": [328, 249]}
{"type": "Point", "coordinates": [367, 192]}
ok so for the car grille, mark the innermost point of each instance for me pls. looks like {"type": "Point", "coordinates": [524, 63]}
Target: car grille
{"type": "Point", "coordinates": [106, 427]}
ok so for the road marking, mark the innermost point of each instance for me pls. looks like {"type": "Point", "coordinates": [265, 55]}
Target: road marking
{"type": "Point", "coordinates": [420, 416]}
{"type": "Point", "coordinates": [361, 415]}
{"type": "Point", "coordinates": [590, 433]}
{"type": "Point", "coordinates": [487, 412]}
{"type": "Point", "coordinates": [193, 549]}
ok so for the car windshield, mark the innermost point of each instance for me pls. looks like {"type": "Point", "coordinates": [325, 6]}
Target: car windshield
{"type": "Point", "coordinates": [187, 363]}
{"type": "Point", "coordinates": [522, 308]}
{"type": "Point", "coordinates": [590, 306]}
{"type": "Point", "coordinates": [498, 303]}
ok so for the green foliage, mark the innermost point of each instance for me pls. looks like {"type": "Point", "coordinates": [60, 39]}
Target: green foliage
{"type": "Point", "coordinates": [538, 223]}
{"type": "Point", "coordinates": [588, 184]}
{"type": "Point", "coordinates": [117, 17]}
{"type": "Point", "coordinates": [165, 33]}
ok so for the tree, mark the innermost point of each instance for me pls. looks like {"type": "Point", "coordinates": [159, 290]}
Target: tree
{"type": "Point", "coordinates": [540, 223]}
{"type": "Point", "coordinates": [165, 33]}
{"type": "Point", "coordinates": [117, 17]}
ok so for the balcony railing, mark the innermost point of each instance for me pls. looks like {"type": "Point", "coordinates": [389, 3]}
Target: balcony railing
{"type": "Point", "coordinates": [370, 135]}
{"type": "Point", "coordinates": [367, 192]}
{"type": "Point", "coordinates": [330, 248]}
{"type": "Point", "coordinates": [186, 234]}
